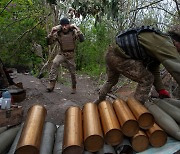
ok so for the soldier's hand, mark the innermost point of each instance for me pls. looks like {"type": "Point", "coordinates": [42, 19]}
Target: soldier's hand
{"type": "Point", "coordinates": [55, 29]}
{"type": "Point", "coordinates": [73, 26]}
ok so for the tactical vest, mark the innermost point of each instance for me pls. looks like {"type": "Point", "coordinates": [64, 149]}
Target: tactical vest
{"type": "Point", "coordinates": [128, 41]}
{"type": "Point", "coordinates": [67, 41]}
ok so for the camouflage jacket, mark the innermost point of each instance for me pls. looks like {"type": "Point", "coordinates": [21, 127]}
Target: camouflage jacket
{"type": "Point", "coordinates": [66, 41]}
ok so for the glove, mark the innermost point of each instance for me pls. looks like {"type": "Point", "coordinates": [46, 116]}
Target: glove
{"type": "Point", "coordinates": [163, 93]}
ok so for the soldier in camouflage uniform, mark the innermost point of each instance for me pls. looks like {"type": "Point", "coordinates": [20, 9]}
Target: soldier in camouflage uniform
{"type": "Point", "coordinates": [66, 35]}
{"type": "Point", "coordinates": [137, 55]}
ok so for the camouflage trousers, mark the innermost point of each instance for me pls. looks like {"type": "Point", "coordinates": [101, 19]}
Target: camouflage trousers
{"type": "Point", "coordinates": [131, 69]}
{"type": "Point", "coordinates": [67, 59]}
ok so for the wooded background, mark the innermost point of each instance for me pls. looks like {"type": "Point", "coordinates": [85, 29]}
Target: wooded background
{"type": "Point", "coordinates": [24, 25]}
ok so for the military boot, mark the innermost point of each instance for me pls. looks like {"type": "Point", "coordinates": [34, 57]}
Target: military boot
{"type": "Point", "coordinates": [51, 86]}
{"type": "Point", "coordinates": [73, 91]}
{"type": "Point", "coordinates": [41, 75]}
{"type": "Point", "coordinates": [73, 77]}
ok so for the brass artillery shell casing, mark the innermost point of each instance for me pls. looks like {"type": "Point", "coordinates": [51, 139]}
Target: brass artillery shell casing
{"type": "Point", "coordinates": [93, 136]}
{"type": "Point", "coordinates": [129, 125]}
{"type": "Point", "coordinates": [30, 139]}
{"type": "Point", "coordinates": [140, 141]}
{"type": "Point", "coordinates": [110, 124]}
{"type": "Point", "coordinates": [73, 140]}
{"type": "Point", "coordinates": [157, 137]}
{"type": "Point", "coordinates": [144, 117]}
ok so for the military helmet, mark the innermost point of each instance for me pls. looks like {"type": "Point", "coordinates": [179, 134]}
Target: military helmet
{"type": "Point", "coordinates": [174, 32]}
{"type": "Point", "coordinates": [64, 21]}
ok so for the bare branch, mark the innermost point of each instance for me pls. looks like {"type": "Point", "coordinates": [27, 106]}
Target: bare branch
{"type": "Point", "coordinates": [6, 6]}
{"type": "Point", "coordinates": [177, 6]}
{"type": "Point", "coordinates": [134, 19]}
{"type": "Point", "coordinates": [164, 10]}
{"type": "Point", "coordinates": [143, 7]}
{"type": "Point", "coordinates": [135, 15]}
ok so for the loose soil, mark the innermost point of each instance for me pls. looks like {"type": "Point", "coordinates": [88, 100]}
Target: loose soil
{"type": "Point", "coordinates": [58, 101]}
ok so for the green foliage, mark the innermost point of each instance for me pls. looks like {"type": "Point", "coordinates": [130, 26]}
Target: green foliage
{"type": "Point", "coordinates": [90, 53]}
{"type": "Point", "coordinates": [17, 34]}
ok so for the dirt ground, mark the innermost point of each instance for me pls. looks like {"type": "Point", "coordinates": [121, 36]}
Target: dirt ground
{"type": "Point", "coordinates": [58, 101]}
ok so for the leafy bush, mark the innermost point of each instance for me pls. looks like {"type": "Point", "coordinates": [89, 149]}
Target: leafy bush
{"type": "Point", "coordinates": [90, 53]}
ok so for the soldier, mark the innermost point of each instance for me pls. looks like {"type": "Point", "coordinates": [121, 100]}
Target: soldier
{"type": "Point", "coordinates": [66, 35]}
{"type": "Point", "coordinates": [137, 55]}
